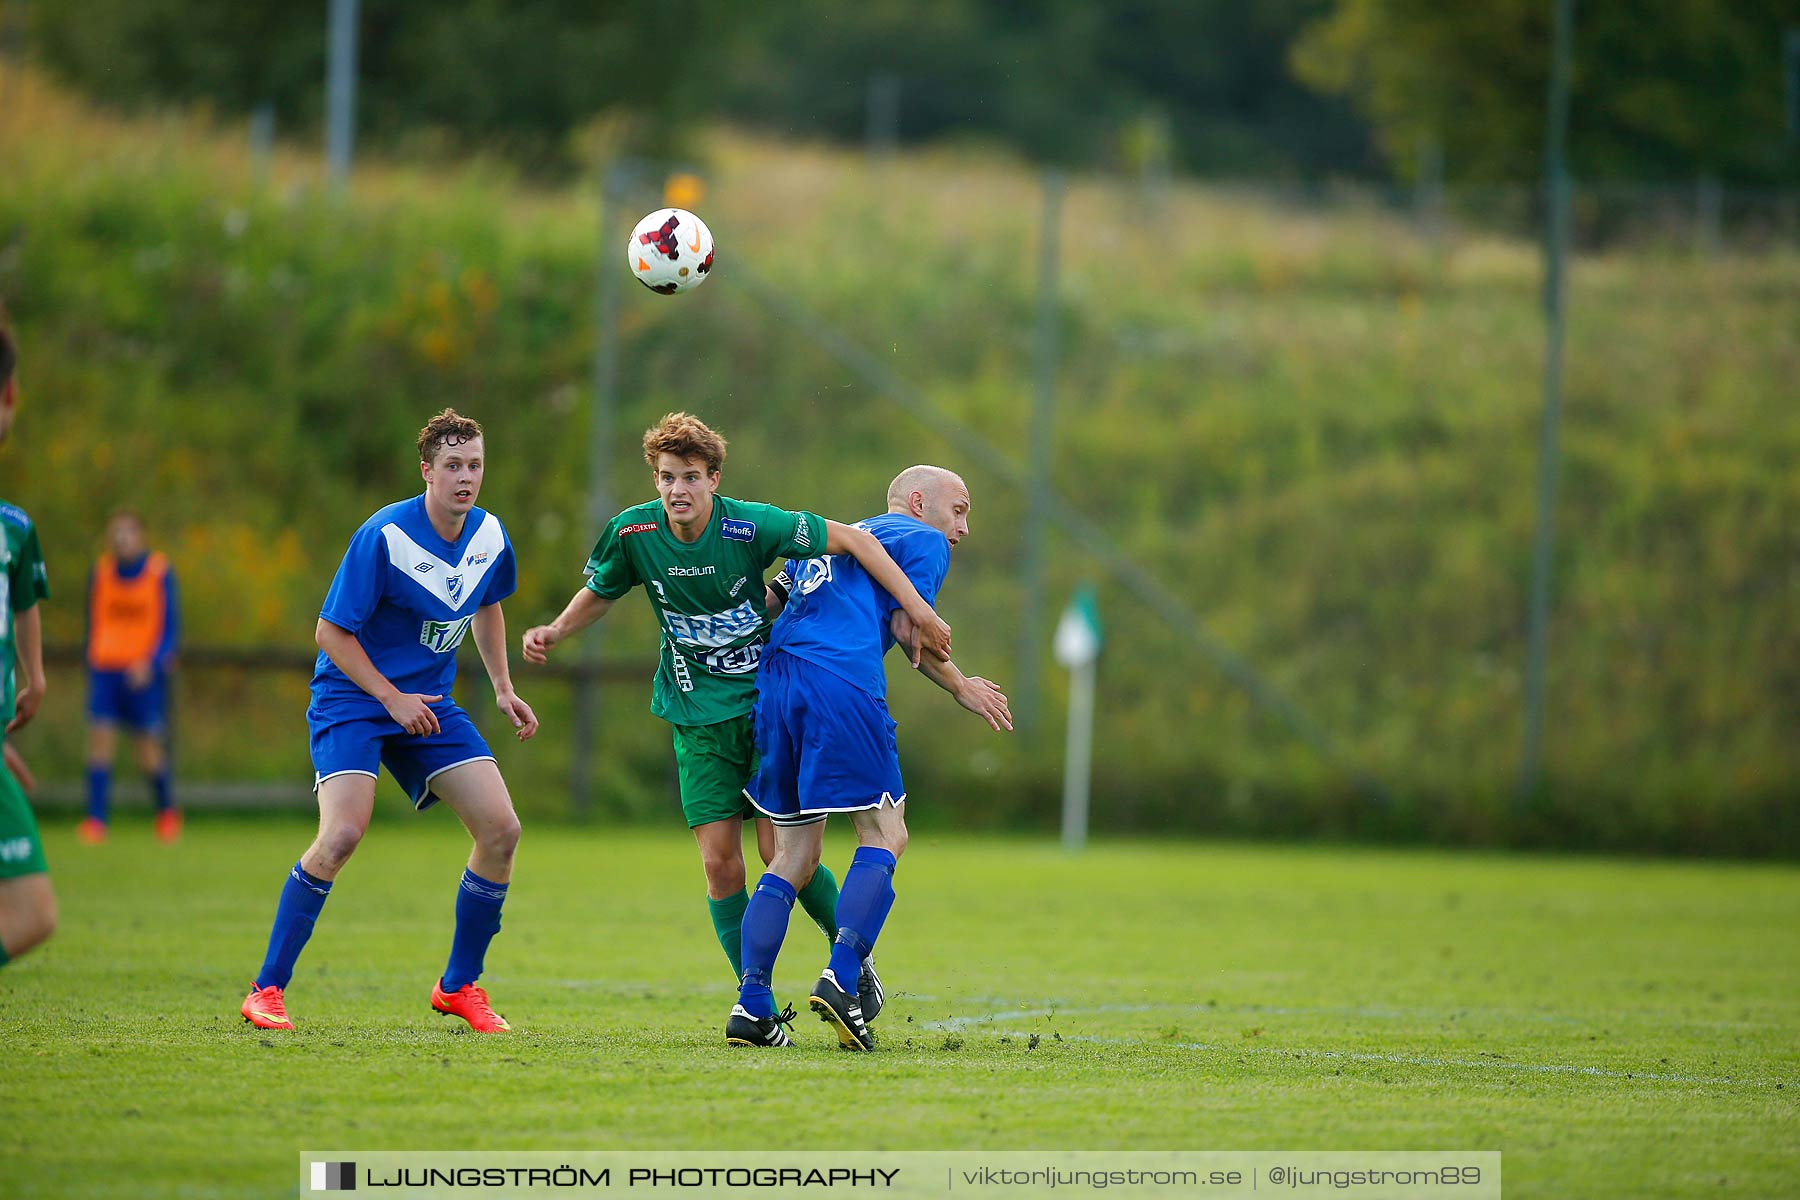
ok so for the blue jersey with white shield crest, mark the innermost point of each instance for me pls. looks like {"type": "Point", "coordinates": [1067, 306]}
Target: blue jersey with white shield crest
{"type": "Point", "coordinates": [838, 614]}
{"type": "Point", "coordinates": [409, 597]}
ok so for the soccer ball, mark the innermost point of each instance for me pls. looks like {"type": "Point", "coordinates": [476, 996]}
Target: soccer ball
{"type": "Point", "coordinates": [670, 251]}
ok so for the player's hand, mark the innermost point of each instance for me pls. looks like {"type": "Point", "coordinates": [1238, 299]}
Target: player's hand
{"type": "Point", "coordinates": [519, 713]}
{"type": "Point", "coordinates": [413, 713]}
{"type": "Point", "coordinates": [25, 706]}
{"type": "Point", "coordinates": [139, 675]}
{"type": "Point", "coordinates": [538, 640]}
{"type": "Point", "coordinates": [15, 762]}
{"type": "Point", "coordinates": [930, 634]}
{"type": "Point", "coordinates": [984, 699]}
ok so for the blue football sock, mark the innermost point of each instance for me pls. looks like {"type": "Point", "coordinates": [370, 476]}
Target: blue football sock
{"type": "Point", "coordinates": [765, 924]}
{"type": "Point", "coordinates": [863, 906]}
{"type": "Point", "coordinates": [99, 782]}
{"type": "Point", "coordinates": [159, 791]}
{"type": "Point", "coordinates": [302, 897]}
{"type": "Point", "coordinates": [478, 904]}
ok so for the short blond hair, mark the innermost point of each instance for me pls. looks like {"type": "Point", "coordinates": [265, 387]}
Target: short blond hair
{"type": "Point", "coordinates": [684, 436]}
{"type": "Point", "coordinates": [448, 428]}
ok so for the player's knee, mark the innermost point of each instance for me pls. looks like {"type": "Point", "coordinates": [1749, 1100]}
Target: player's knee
{"type": "Point", "coordinates": [804, 861]}
{"type": "Point", "coordinates": [45, 925]}
{"type": "Point", "coordinates": [724, 870]}
{"type": "Point", "coordinates": [795, 865]}
{"type": "Point", "coordinates": [33, 927]}
{"type": "Point", "coordinates": [339, 841]}
{"type": "Point", "coordinates": [889, 837]}
{"type": "Point", "coordinates": [502, 837]}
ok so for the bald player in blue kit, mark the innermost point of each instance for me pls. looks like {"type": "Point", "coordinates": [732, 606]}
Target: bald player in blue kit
{"type": "Point", "coordinates": [826, 745]}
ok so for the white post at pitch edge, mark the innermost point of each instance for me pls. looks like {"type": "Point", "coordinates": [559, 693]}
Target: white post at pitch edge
{"type": "Point", "coordinates": [1078, 648]}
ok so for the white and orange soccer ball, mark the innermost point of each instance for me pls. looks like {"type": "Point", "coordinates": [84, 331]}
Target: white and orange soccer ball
{"type": "Point", "coordinates": [670, 251]}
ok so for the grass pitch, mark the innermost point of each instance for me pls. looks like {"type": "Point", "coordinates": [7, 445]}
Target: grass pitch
{"type": "Point", "coordinates": [1615, 1028]}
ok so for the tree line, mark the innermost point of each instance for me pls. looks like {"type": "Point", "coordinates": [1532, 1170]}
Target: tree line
{"type": "Point", "coordinates": [1299, 89]}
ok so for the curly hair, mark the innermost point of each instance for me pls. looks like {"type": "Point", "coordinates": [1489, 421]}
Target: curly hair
{"type": "Point", "coordinates": [448, 428]}
{"type": "Point", "coordinates": [684, 436]}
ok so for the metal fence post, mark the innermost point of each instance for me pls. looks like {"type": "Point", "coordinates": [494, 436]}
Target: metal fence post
{"type": "Point", "coordinates": [601, 418]}
{"type": "Point", "coordinates": [340, 93]}
{"type": "Point", "coordinates": [1556, 243]}
{"type": "Point", "coordinates": [1037, 467]}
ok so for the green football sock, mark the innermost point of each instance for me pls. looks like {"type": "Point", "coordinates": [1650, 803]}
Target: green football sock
{"type": "Point", "coordinates": [819, 899]}
{"type": "Point", "coordinates": [728, 923]}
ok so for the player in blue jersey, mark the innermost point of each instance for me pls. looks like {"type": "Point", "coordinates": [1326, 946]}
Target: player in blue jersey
{"type": "Point", "coordinates": [418, 576]}
{"type": "Point", "coordinates": [826, 744]}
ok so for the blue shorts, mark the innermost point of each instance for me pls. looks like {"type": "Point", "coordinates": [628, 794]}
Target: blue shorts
{"type": "Point", "coordinates": [826, 745]}
{"type": "Point", "coordinates": [360, 742]}
{"type": "Point", "coordinates": [113, 700]}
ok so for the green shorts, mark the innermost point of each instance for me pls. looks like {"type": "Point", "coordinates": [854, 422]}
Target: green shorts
{"type": "Point", "coordinates": [714, 763]}
{"type": "Point", "coordinates": [21, 849]}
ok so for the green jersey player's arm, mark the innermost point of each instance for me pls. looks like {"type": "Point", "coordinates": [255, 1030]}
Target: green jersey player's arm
{"type": "Point", "coordinates": [584, 608]}
{"type": "Point", "coordinates": [932, 633]}
{"type": "Point", "coordinates": [980, 696]}
{"type": "Point", "coordinates": [29, 647]}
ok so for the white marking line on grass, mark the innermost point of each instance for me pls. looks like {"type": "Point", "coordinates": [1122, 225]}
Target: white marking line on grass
{"type": "Point", "coordinates": [1498, 1064]}
{"type": "Point", "coordinates": [1006, 1008]}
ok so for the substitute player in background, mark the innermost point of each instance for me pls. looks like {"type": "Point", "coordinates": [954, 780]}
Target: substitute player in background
{"type": "Point", "coordinates": [27, 902]}
{"type": "Point", "coordinates": [700, 557]}
{"type": "Point", "coordinates": [418, 576]}
{"type": "Point", "coordinates": [827, 746]}
{"type": "Point", "coordinates": [134, 621]}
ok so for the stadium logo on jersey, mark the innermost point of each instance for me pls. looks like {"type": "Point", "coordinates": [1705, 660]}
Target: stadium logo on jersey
{"type": "Point", "coordinates": [712, 629]}
{"type": "Point", "coordinates": [442, 637]}
{"type": "Point", "coordinates": [644, 528]}
{"type": "Point", "coordinates": [738, 531]}
{"type": "Point", "coordinates": [453, 585]}
{"type": "Point", "coordinates": [690, 571]}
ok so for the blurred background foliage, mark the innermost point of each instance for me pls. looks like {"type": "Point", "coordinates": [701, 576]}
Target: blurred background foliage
{"type": "Point", "coordinates": [1298, 89]}
{"type": "Point", "coordinates": [1313, 419]}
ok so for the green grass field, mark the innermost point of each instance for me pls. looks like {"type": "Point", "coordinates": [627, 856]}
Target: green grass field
{"type": "Point", "coordinates": [1614, 1027]}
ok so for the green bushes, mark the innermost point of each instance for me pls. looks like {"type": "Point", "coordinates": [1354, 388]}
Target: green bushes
{"type": "Point", "coordinates": [1317, 430]}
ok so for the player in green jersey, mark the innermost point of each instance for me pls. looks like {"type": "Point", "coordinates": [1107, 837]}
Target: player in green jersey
{"type": "Point", "coordinates": [27, 903]}
{"type": "Point", "coordinates": [700, 559]}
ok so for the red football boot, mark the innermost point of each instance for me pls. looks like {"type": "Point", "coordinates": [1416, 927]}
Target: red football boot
{"type": "Point", "coordinates": [471, 1004]}
{"type": "Point", "coordinates": [264, 1008]}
